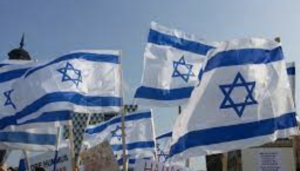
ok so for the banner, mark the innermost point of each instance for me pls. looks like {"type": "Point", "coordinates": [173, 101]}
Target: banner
{"type": "Point", "coordinates": [149, 165]}
{"type": "Point", "coordinates": [99, 158]}
{"type": "Point", "coordinates": [46, 161]}
{"type": "Point", "coordinates": [266, 159]}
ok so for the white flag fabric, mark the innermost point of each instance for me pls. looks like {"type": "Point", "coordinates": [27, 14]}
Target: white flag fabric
{"type": "Point", "coordinates": [139, 132]}
{"type": "Point", "coordinates": [172, 62]}
{"type": "Point", "coordinates": [12, 135]}
{"type": "Point", "coordinates": [244, 100]}
{"type": "Point", "coordinates": [82, 81]}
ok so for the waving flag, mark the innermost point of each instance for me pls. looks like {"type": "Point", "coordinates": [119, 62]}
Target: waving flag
{"type": "Point", "coordinates": [172, 62]}
{"type": "Point", "coordinates": [82, 81]}
{"type": "Point", "coordinates": [138, 129]}
{"type": "Point", "coordinates": [12, 135]}
{"type": "Point", "coordinates": [244, 100]}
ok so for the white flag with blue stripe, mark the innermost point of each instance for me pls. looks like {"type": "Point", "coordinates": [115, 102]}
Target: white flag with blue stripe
{"type": "Point", "coordinates": [33, 139]}
{"type": "Point", "coordinates": [139, 132]}
{"type": "Point", "coordinates": [12, 135]}
{"type": "Point", "coordinates": [81, 81]}
{"type": "Point", "coordinates": [172, 62]}
{"type": "Point", "coordinates": [244, 100]}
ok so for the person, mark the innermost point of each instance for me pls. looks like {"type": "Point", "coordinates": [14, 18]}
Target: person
{"type": "Point", "coordinates": [37, 168]}
{"type": "Point", "coordinates": [11, 169]}
{"type": "Point", "coordinates": [3, 168]}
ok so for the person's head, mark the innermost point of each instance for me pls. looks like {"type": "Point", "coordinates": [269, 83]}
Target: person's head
{"type": "Point", "coordinates": [39, 169]}
{"type": "Point", "coordinates": [3, 168]}
{"type": "Point", "coordinates": [11, 169]}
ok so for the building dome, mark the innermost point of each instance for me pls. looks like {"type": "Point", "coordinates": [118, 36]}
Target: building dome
{"type": "Point", "coordinates": [19, 53]}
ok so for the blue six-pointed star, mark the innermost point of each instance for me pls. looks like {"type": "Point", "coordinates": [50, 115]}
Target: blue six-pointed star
{"type": "Point", "coordinates": [71, 74]}
{"type": "Point", "coordinates": [8, 101]}
{"type": "Point", "coordinates": [185, 76]}
{"type": "Point", "coordinates": [117, 133]}
{"type": "Point", "coordinates": [227, 89]}
{"type": "Point", "coordinates": [161, 154]}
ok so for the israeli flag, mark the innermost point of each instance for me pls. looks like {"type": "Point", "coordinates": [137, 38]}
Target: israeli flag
{"type": "Point", "coordinates": [244, 100]}
{"type": "Point", "coordinates": [81, 81]}
{"type": "Point", "coordinates": [172, 62]}
{"type": "Point", "coordinates": [12, 135]}
{"type": "Point", "coordinates": [163, 145]}
{"type": "Point", "coordinates": [139, 132]}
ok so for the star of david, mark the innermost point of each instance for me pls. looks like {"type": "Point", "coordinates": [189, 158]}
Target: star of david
{"type": "Point", "coordinates": [8, 101]}
{"type": "Point", "coordinates": [227, 89]}
{"type": "Point", "coordinates": [71, 74]}
{"type": "Point", "coordinates": [117, 133]}
{"type": "Point", "coordinates": [161, 154]}
{"type": "Point", "coordinates": [184, 75]}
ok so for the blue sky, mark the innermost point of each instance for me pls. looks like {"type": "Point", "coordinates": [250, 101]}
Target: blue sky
{"type": "Point", "coordinates": [56, 27]}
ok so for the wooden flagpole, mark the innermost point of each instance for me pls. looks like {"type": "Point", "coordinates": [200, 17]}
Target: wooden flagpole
{"type": "Point", "coordinates": [125, 166]}
{"type": "Point", "coordinates": [58, 137]}
{"type": "Point", "coordinates": [123, 112]}
{"type": "Point", "coordinates": [187, 161]}
{"type": "Point", "coordinates": [225, 161]}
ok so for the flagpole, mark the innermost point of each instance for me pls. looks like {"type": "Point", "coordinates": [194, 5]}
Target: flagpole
{"type": "Point", "coordinates": [58, 136]}
{"type": "Point", "coordinates": [125, 166]}
{"type": "Point", "coordinates": [224, 161]}
{"type": "Point", "coordinates": [187, 161]}
{"type": "Point", "coordinates": [27, 163]}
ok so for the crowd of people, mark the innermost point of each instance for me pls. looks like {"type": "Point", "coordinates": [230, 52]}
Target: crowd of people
{"type": "Point", "coordinates": [5, 168]}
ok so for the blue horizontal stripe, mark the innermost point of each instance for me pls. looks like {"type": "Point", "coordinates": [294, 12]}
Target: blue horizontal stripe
{"type": "Point", "coordinates": [163, 94]}
{"type": "Point", "coordinates": [135, 145]}
{"type": "Point", "coordinates": [132, 117]}
{"type": "Point", "coordinates": [11, 75]}
{"type": "Point", "coordinates": [291, 71]}
{"type": "Point", "coordinates": [2, 65]}
{"type": "Point", "coordinates": [44, 118]}
{"type": "Point", "coordinates": [7, 121]}
{"type": "Point", "coordinates": [51, 117]}
{"type": "Point", "coordinates": [28, 138]}
{"type": "Point", "coordinates": [158, 38]}
{"type": "Point", "coordinates": [132, 161]}
{"type": "Point", "coordinates": [169, 134]}
{"type": "Point", "coordinates": [71, 97]}
{"type": "Point", "coordinates": [93, 57]}
{"type": "Point", "coordinates": [243, 57]}
{"type": "Point", "coordinates": [225, 134]}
